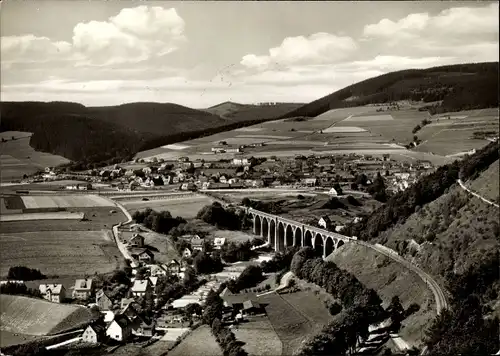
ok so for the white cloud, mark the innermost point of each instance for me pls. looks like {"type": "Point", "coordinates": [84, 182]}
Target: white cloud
{"type": "Point", "coordinates": [133, 35]}
{"type": "Point", "coordinates": [454, 21]}
{"type": "Point", "coordinates": [28, 48]}
{"type": "Point", "coordinates": [317, 48]}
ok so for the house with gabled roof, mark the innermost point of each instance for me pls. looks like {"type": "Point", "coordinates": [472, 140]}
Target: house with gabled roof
{"type": "Point", "coordinates": [103, 301]}
{"type": "Point", "coordinates": [197, 243]}
{"type": "Point", "coordinates": [130, 310]}
{"type": "Point", "coordinates": [142, 327]}
{"type": "Point", "coordinates": [82, 289]}
{"type": "Point", "coordinates": [125, 302]}
{"type": "Point", "coordinates": [325, 222]}
{"type": "Point", "coordinates": [53, 292]}
{"type": "Point", "coordinates": [94, 334]}
{"type": "Point", "coordinates": [174, 266]}
{"type": "Point", "coordinates": [251, 307]}
{"type": "Point", "coordinates": [157, 270]}
{"type": "Point", "coordinates": [120, 329]}
{"type": "Point", "coordinates": [137, 240]}
{"type": "Point", "coordinates": [141, 287]}
{"type": "Point", "coordinates": [143, 255]}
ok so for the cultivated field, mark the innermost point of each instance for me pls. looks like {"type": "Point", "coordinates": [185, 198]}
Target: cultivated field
{"type": "Point", "coordinates": [17, 157]}
{"type": "Point", "coordinates": [258, 336]}
{"type": "Point", "coordinates": [65, 201]}
{"type": "Point", "coordinates": [39, 317]}
{"type": "Point", "coordinates": [291, 327]}
{"type": "Point", "coordinates": [187, 207]}
{"type": "Point", "coordinates": [62, 215]}
{"type": "Point", "coordinates": [389, 278]}
{"type": "Point", "coordinates": [60, 253]}
{"type": "Point", "coordinates": [199, 342]}
{"type": "Point", "coordinates": [97, 219]}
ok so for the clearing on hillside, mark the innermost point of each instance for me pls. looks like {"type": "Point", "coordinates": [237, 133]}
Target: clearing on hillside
{"type": "Point", "coordinates": [62, 253]}
{"type": "Point", "coordinates": [17, 157]}
{"type": "Point", "coordinates": [64, 201]}
{"type": "Point", "coordinates": [200, 342]}
{"type": "Point", "coordinates": [389, 279]}
{"type": "Point", "coordinates": [33, 316]}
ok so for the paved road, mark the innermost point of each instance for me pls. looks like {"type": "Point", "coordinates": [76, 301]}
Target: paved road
{"type": "Point", "coordinates": [121, 246]}
{"type": "Point", "coordinates": [475, 194]}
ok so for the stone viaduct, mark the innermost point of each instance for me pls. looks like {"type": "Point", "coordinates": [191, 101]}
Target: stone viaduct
{"type": "Point", "coordinates": [282, 232]}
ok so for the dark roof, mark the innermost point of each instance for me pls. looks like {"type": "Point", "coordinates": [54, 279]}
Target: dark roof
{"type": "Point", "coordinates": [122, 320]}
{"type": "Point", "coordinates": [196, 241]}
{"type": "Point", "coordinates": [326, 218]}
{"type": "Point", "coordinates": [98, 328]}
{"type": "Point", "coordinates": [237, 298]}
{"type": "Point", "coordinates": [137, 252]}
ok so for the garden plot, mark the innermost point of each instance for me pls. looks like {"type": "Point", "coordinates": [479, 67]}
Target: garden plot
{"type": "Point", "coordinates": [65, 201]}
{"type": "Point", "coordinates": [74, 253]}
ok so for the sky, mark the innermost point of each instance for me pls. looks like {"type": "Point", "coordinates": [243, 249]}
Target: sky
{"type": "Point", "coordinates": [200, 54]}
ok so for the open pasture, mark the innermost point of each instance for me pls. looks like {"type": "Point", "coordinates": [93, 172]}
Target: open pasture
{"type": "Point", "coordinates": [65, 201]}
{"type": "Point", "coordinates": [60, 252]}
{"type": "Point", "coordinates": [39, 317]}
{"type": "Point", "coordinates": [344, 129]}
{"type": "Point", "coordinates": [336, 115]}
{"type": "Point", "coordinates": [199, 342]}
{"type": "Point", "coordinates": [17, 157]}
{"type": "Point", "coordinates": [187, 207]}
{"type": "Point", "coordinates": [368, 118]}
{"type": "Point", "coordinates": [258, 336]}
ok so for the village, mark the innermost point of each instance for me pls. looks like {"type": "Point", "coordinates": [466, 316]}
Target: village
{"type": "Point", "coordinates": [314, 171]}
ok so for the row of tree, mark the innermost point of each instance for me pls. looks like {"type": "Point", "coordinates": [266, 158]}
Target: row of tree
{"type": "Point", "coordinates": [212, 316]}
{"type": "Point", "coordinates": [22, 273]}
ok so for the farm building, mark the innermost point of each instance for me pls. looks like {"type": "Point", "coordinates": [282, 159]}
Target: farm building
{"type": "Point", "coordinates": [94, 334]}
{"type": "Point", "coordinates": [219, 242]}
{"type": "Point", "coordinates": [325, 222]}
{"type": "Point", "coordinates": [143, 255]}
{"type": "Point", "coordinates": [251, 307]}
{"type": "Point", "coordinates": [53, 292]}
{"type": "Point", "coordinates": [82, 289]}
{"type": "Point", "coordinates": [102, 300]}
{"type": "Point", "coordinates": [310, 182]}
{"type": "Point", "coordinates": [141, 287]}
{"type": "Point", "coordinates": [120, 329]}
{"type": "Point", "coordinates": [137, 240]}
{"type": "Point", "coordinates": [188, 186]}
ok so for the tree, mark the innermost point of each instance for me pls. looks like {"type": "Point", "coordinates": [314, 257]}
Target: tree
{"type": "Point", "coordinates": [396, 313]}
{"type": "Point", "coordinates": [205, 264]}
{"type": "Point", "coordinates": [23, 273]}
{"type": "Point", "coordinates": [337, 188]}
{"type": "Point", "coordinates": [193, 308]}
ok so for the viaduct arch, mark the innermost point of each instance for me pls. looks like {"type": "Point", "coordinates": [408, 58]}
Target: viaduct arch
{"type": "Point", "coordinates": [281, 232]}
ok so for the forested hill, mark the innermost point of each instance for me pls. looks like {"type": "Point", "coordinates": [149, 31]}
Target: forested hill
{"type": "Point", "coordinates": [459, 87]}
{"type": "Point", "coordinates": [453, 236]}
{"type": "Point", "coordinates": [105, 135]}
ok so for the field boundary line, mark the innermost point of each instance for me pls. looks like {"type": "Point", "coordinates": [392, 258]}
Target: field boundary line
{"type": "Point", "coordinates": [464, 187]}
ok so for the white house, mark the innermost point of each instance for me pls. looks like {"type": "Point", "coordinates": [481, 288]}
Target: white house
{"type": "Point", "coordinates": [53, 292]}
{"type": "Point", "coordinates": [93, 334]}
{"type": "Point", "coordinates": [325, 222]}
{"type": "Point", "coordinates": [157, 270]}
{"type": "Point", "coordinates": [219, 242]}
{"type": "Point", "coordinates": [141, 287]}
{"type": "Point", "coordinates": [186, 253]}
{"type": "Point", "coordinates": [82, 289]}
{"type": "Point", "coordinates": [333, 192]}
{"type": "Point", "coordinates": [120, 329]}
